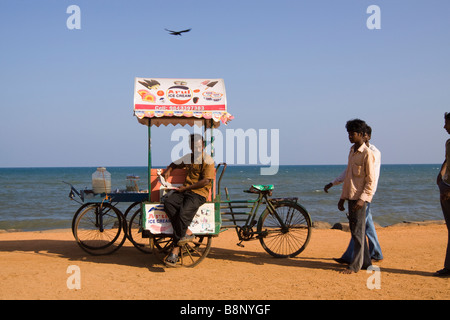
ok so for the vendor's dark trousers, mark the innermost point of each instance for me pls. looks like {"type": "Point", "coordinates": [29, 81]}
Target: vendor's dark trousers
{"type": "Point", "coordinates": [445, 205]}
{"type": "Point", "coordinates": [357, 221]}
{"type": "Point", "coordinates": [181, 208]}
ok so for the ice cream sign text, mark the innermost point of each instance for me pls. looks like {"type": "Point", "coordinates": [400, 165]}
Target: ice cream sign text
{"type": "Point", "coordinates": [158, 218]}
{"type": "Point", "coordinates": [179, 94]}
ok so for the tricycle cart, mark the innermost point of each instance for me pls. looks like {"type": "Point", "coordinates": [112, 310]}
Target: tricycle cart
{"type": "Point", "coordinates": [98, 226]}
{"type": "Point", "coordinates": [283, 227]}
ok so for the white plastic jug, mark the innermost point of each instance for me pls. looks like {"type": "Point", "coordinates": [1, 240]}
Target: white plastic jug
{"type": "Point", "coordinates": [101, 181]}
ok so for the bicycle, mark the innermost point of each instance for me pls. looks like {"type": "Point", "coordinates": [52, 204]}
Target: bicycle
{"type": "Point", "coordinates": [283, 228]}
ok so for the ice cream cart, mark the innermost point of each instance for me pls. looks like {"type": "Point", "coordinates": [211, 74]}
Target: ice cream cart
{"type": "Point", "coordinates": [283, 226]}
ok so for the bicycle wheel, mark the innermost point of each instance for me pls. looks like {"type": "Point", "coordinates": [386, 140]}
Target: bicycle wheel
{"type": "Point", "coordinates": [97, 228]}
{"type": "Point", "coordinates": [191, 254]}
{"type": "Point", "coordinates": [134, 233]}
{"type": "Point", "coordinates": [288, 241]}
{"type": "Point", "coordinates": [129, 209]}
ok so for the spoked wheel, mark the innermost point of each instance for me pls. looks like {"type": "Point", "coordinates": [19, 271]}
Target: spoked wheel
{"type": "Point", "coordinates": [99, 228]}
{"type": "Point", "coordinates": [191, 253]}
{"type": "Point", "coordinates": [135, 234]}
{"type": "Point", "coordinates": [287, 241]}
{"type": "Point", "coordinates": [129, 212]}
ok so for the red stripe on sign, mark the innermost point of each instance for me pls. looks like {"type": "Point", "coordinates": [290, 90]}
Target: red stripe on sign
{"type": "Point", "coordinates": [146, 107]}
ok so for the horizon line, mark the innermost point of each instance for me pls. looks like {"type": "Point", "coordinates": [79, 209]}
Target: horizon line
{"type": "Point", "coordinates": [230, 165]}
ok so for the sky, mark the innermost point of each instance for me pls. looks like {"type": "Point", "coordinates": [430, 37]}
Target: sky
{"type": "Point", "coordinates": [300, 68]}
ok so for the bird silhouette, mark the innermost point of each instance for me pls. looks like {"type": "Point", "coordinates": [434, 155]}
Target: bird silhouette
{"type": "Point", "coordinates": [177, 33]}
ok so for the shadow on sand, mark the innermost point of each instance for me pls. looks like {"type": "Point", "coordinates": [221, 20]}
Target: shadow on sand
{"type": "Point", "coordinates": [130, 256]}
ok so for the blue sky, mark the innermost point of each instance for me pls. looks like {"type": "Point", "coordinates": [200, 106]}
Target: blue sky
{"type": "Point", "coordinates": [303, 67]}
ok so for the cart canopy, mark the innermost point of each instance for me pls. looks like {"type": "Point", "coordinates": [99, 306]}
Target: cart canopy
{"type": "Point", "coordinates": [180, 101]}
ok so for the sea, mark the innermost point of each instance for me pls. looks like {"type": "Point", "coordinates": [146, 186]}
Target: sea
{"type": "Point", "coordinates": [36, 199]}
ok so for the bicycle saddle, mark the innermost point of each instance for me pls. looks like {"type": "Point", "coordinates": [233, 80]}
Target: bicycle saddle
{"type": "Point", "coordinates": [261, 188]}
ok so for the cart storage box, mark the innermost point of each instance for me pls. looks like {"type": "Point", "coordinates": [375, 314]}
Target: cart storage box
{"type": "Point", "coordinates": [205, 221]}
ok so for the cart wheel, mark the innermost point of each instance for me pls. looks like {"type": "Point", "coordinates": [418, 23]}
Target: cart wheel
{"type": "Point", "coordinates": [288, 242]}
{"type": "Point", "coordinates": [128, 215]}
{"type": "Point", "coordinates": [134, 233]}
{"type": "Point", "coordinates": [191, 254]}
{"type": "Point", "coordinates": [99, 229]}
{"type": "Point", "coordinates": [75, 216]}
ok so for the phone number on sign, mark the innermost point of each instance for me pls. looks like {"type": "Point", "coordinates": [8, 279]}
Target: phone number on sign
{"type": "Point", "coordinates": [180, 108]}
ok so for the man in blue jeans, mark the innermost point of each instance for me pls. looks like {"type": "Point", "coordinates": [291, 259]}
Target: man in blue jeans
{"type": "Point", "coordinates": [374, 245]}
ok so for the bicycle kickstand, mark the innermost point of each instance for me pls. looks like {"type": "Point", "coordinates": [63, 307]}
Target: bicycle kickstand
{"type": "Point", "coordinates": [239, 244]}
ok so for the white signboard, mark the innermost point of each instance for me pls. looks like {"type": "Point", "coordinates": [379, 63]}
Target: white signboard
{"type": "Point", "coordinates": [179, 94]}
{"type": "Point", "coordinates": [157, 221]}
{"type": "Point", "coordinates": [186, 98]}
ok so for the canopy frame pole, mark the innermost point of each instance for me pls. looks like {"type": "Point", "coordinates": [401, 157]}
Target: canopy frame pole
{"type": "Point", "coordinates": [149, 160]}
{"type": "Point", "coordinates": [212, 154]}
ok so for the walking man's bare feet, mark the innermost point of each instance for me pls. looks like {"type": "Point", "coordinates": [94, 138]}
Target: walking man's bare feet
{"type": "Point", "coordinates": [347, 271]}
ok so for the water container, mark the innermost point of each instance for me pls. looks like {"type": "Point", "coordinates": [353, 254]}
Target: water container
{"type": "Point", "coordinates": [132, 183]}
{"type": "Point", "coordinates": [101, 181]}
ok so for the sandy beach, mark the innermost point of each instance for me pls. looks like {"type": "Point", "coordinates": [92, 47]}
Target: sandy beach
{"type": "Point", "coordinates": [35, 265]}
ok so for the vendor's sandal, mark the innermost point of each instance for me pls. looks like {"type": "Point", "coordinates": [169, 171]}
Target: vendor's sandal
{"type": "Point", "coordinates": [171, 260]}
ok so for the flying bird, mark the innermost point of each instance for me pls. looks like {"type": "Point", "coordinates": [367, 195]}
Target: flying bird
{"type": "Point", "coordinates": [177, 33]}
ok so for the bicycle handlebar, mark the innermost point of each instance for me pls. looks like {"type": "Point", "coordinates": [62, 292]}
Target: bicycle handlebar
{"type": "Point", "coordinates": [73, 191]}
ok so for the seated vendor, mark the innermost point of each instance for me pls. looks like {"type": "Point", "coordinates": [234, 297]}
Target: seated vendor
{"type": "Point", "coordinates": [182, 205]}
